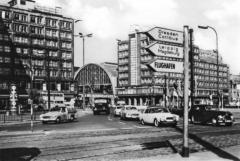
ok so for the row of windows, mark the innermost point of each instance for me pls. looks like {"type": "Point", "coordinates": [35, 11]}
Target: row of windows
{"type": "Point", "coordinates": [123, 47]}
{"type": "Point", "coordinates": [210, 72]}
{"type": "Point", "coordinates": [123, 61]}
{"type": "Point", "coordinates": [123, 75]}
{"type": "Point", "coordinates": [5, 48]}
{"type": "Point", "coordinates": [35, 41]}
{"type": "Point", "coordinates": [50, 22]}
{"type": "Point", "coordinates": [146, 58]}
{"type": "Point", "coordinates": [123, 54]}
{"type": "Point", "coordinates": [5, 71]}
{"type": "Point", "coordinates": [145, 73]}
{"type": "Point", "coordinates": [210, 66]}
{"type": "Point", "coordinates": [39, 52]}
{"type": "Point", "coordinates": [123, 82]}
{"type": "Point", "coordinates": [123, 68]}
{"type": "Point", "coordinates": [4, 37]}
{"type": "Point", "coordinates": [211, 85]}
{"type": "Point", "coordinates": [143, 51]}
{"type": "Point", "coordinates": [5, 59]}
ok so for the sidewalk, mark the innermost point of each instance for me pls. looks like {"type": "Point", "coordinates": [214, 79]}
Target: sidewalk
{"type": "Point", "coordinates": [233, 151]}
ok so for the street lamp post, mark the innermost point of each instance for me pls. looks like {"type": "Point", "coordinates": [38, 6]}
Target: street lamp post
{"type": "Point", "coordinates": [81, 35]}
{"type": "Point", "coordinates": [206, 27]}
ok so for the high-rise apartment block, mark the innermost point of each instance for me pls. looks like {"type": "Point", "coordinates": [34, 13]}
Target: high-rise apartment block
{"type": "Point", "coordinates": [35, 41]}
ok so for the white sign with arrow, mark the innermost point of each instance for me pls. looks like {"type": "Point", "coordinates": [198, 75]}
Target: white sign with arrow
{"type": "Point", "coordinates": [166, 35]}
{"type": "Point", "coordinates": [166, 50]}
{"type": "Point", "coordinates": [166, 66]}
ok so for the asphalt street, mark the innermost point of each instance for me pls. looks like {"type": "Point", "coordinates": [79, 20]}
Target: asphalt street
{"type": "Point", "coordinates": [102, 137]}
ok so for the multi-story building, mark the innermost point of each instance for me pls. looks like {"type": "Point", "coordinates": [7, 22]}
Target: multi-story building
{"type": "Point", "coordinates": [34, 39]}
{"type": "Point", "coordinates": [235, 89]}
{"type": "Point", "coordinates": [139, 84]}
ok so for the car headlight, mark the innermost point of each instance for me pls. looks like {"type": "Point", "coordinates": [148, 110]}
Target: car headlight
{"type": "Point", "coordinates": [176, 117]}
{"type": "Point", "coordinates": [220, 117]}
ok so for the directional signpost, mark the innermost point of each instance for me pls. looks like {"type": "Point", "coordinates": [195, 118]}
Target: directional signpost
{"type": "Point", "coordinates": [170, 43]}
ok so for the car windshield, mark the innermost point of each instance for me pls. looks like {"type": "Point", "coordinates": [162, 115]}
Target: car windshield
{"type": "Point", "coordinates": [131, 108]}
{"type": "Point", "coordinates": [119, 107]}
{"type": "Point", "coordinates": [55, 109]}
{"type": "Point", "coordinates": [159, 110]}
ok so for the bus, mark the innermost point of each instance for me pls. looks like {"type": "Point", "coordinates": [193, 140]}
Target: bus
{"type": "Point", "coordinates": [56, 99]}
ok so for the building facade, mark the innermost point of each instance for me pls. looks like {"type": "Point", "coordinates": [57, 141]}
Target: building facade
{"type": "Point", "coordinates": [140, 84]}
{"type": "Point", "coordinates": [235, 90]}
{"type": "Point", "coordinates": [36, 43]}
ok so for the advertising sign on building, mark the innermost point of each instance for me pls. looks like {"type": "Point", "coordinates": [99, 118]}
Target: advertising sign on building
{"type": "Point", "coordinates": [166, 50]}
{"type": "Point", "coordinates": [166, 35]}
{"type": "Point", "coordinates": [167, 66]}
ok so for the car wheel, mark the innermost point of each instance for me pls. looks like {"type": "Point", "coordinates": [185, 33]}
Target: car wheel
{"type": "Point", "coordinates": [58, 120]}
{"type": "Point", "coordinates": [72, 118]}
{"type": "Point", "coordinates": [142, 122]}
{"type": "Point", "coordinates": [156, 123]}
{"type": "Point", "coordinates": [214, 121]}
{"type": "Point", "coordinates": [229, 124]}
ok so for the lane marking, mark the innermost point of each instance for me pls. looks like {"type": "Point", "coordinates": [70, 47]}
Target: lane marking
{"type": "Point", "coordinates": [121, 122]}
{"type": "Point", "coordinates": [142, 127]}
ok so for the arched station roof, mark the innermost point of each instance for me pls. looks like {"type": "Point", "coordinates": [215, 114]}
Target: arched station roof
{"type": "Point", "coordinates": [97, 74]}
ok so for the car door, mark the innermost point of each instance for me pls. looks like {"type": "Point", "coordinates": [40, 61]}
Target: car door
{"type": "Point", "coordinates": [64, 113]}
{"type": "Point", "coordinates": [145, 115]}
{"type": "Point", "coordinates": [150, 116]}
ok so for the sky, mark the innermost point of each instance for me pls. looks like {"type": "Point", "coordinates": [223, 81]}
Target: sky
{"type": "Point", "coordinates": [109, 20]}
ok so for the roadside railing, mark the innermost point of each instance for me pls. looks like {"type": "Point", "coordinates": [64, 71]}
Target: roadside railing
{"type": "Point", "coordinates": [4, 117]}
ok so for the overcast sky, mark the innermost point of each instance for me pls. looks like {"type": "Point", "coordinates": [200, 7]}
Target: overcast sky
{"type": "Point", "coordinates": [109, 20]}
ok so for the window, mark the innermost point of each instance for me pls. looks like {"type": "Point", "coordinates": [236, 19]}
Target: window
{"type": "Point", "coordinates": [7, 60]}
{"type": "Point", "coordinates": [16, 16]}
{"type": "Point", "coordinates": [18, 50]}
{"type": "Point", "coordinates": [25, 51]}
{"type": "Point", "coordinates": [7, 49]}
{"type": "Point", "coordinates": [54, 23]}
{"type": "Point", "coordinates": [48, 22]}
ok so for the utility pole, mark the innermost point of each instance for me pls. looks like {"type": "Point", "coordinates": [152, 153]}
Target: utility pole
{"type": "Point", "coordinates": [166, 88]}
{"type": "Point", "coordinates": [48, 78]}
{"type": "Point", "coordinates": [191, 59]}
{"type": "Point", "coordinates": [83, 40]}
{"type": "Point", "coordinates": [185, 148]}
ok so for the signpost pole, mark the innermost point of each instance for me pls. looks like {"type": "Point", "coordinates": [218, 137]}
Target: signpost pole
{"type": "Point", "coordinates": [185, 148]}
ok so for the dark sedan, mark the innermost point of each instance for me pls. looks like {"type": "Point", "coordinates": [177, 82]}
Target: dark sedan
{"type": "Point", "coordinates": [205, 114]}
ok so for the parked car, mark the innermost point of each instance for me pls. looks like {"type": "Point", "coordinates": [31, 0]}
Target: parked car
{"type": "Point", "coordinates": [129, 112]}
{"type": "Point", "coordinates": [59, 114]}
{"type": "Point", "coordinates": [117, 110]}
{"type": "Point", "coordinates": [158, 116]}
{"type": "Point", "coordinates": [205, 114]}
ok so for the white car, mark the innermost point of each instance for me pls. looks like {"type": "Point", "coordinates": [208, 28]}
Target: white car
{"type": "Point", "coordinates": [158, 116]}
{"type": "Point", "coordinates": [129, 112]}
{"type": "Point", "coordinates": [117, 110]}
{"type": "Point", "coordinates": [58, 114]}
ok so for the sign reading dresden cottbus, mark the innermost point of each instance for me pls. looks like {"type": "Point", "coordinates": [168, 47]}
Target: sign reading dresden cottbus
{"type": "Point", "coordinates": [166, 35]}
{"type": "Point", "coordinates": [166, 50]}
{"type": "Point", "coordinates": [166, 66]}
